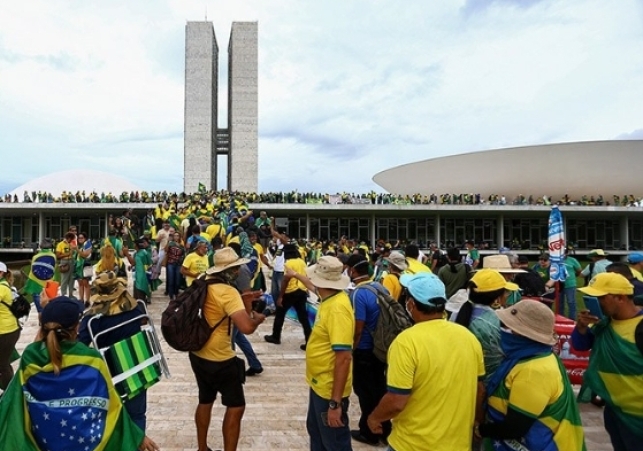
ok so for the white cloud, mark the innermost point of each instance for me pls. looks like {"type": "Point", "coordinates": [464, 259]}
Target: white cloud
{"type": "Point", "coordinates": [346, 89]}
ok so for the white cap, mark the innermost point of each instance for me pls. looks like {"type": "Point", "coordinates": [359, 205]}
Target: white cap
{"type": "Point", "coordinates": [3, 267]}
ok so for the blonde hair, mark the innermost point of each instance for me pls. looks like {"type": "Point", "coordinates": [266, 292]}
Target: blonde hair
{"type": "Point", "coordinates": [54, 334]}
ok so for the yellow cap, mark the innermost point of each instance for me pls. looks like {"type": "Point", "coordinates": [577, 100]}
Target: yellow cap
{"type": "Point", "coordinates": [487, 280]}
{"type": "Point", "coordinates": [608, 283]}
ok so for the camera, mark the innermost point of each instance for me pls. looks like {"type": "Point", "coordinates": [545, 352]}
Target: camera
{"type": "Point", "coordinates": [258, 306]}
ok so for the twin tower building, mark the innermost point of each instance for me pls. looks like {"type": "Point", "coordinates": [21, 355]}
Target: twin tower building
{"type": "Point", "coordinates": [204, 140]}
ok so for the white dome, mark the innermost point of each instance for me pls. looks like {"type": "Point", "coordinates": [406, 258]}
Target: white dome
{"type": "Point", "coordinates": [77, 180]}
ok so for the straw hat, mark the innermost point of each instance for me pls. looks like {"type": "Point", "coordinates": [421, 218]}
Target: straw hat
{"type": "Point", "coordinates": [500, 263]}
{"type": "Point", "coordinates": [530, 319]}
{"type": "Point", "coordinates": [328, 273]}
{"type": "Point", "coordinates": [226, 258]}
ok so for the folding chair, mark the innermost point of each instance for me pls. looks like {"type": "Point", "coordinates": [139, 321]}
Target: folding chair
{"type": "Point", "coordinates": [135, 363]}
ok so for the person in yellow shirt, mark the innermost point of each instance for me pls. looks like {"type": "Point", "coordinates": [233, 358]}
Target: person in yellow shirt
{"type": "Point", "coordinates": [423, 363]}
{"type": "Point", "coordinates": [415, 266]}
{"type": "Point", "coordinates": [9, 327]}
{"type": "Point", "coordinates": [65, 258]}
{"type": "Point", "coordinates": [329, 356]}
{"type": "Point", "coordinates": [215, 229]}
{"type": "Point", "coordinates": [391, 281]}
{"type": "Point", "coordinates": [293, 293]}
{"type": "Point", "coordinates": [196, 263]}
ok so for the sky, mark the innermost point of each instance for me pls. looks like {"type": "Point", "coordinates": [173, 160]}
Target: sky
{"type": "Point", "coordinates": [346, 88]}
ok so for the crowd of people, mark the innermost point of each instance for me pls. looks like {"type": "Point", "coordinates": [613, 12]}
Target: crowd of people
{"type": "Point", "coordinates": [295, 197]}
{"type": "Point", "coordinates": [501, 387]}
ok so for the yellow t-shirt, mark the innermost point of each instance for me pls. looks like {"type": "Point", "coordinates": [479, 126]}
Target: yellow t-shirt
{"type": "Point", "coordinates": [223, 300]}
{"type": "Point", "coordinates": [214, 230]}
{"type": "Point", "coordinates": [195, 263]}
{"type": "Point", "coordinates": [63, 248]}
{"type": "Point", "coordinates": [423, 362]}
{"type": "Point", "coordinates": [637, 274]}
{"type": "Point", "coordinates": [333, 331]}
{"type": "Point", "coordinates": [415, 266]}
{"type": "Point", "coordinates": [392, 284]}
{"type": "Point", "coordinates": [259, 248]}
{"type": "Point", "coordinates": [8, 322]}
{"type": "Point", "coordinates": [299, 266]}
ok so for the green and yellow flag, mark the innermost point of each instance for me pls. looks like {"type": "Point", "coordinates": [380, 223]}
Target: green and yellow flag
{"type": "Point", "coordinates": [76, 410]}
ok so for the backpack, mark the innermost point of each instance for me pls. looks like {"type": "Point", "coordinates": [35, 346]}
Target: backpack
{"type": "Point", "coordinates": [441, 258]}
{"type": "Point", "coordinates": [530, 283]}
{"type": "Point", "coordinates": [392, 320]}
{"type": "Point", "coordinates": [20, 307]}
{"type": "Point", "coordinates": [183, 323]}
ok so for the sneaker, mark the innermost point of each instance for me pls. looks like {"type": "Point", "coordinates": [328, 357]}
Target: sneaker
{"type": "Point", "coordinates": [253, 371]}
{"type": "Point", "coordinates": [357, 436]}
{"type": "Point", "coordinates": [272, 339]}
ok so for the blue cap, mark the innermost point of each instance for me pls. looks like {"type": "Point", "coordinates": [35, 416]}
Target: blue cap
{"type": "Point", "coordinates": [635, 257]}
{"type": "Point", "coordinates": [424, 286]}
{"type": "Point", "coordinates": [62, 310]}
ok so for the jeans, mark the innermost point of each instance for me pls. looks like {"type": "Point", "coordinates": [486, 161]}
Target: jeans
{"type": "Point", "coordinates": [622, 437]}
{"type": "Point", "coordinates": [136, 408]}
{"type": "Point", "coordinates": [295, 299]}
{"type": "Point", "coordinates": [568, 295]}
{"type": "Point", "coordinates": [67, 280]}
{"type": "Point", "coordinates": [323, 437]}
{"type": "Point", "coordinates": [173, 278]}
{"type": "Point", "coordinates": [36, 302]}
{"type": "Point", "coordinates": [369, 384]}
{"type": "Point", "coordinates": [242, 341]}
{"type": "Point", "coordinates": [275, 284]}
{"type": "Point", "coordinates": [159, 263]}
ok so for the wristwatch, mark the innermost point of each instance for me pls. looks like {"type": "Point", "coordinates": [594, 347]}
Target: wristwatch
{"type": "Point", "coordinates": [332, 404]}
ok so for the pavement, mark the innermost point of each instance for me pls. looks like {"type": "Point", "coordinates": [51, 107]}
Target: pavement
{"type": "Point", "coordinates": [275, 416]}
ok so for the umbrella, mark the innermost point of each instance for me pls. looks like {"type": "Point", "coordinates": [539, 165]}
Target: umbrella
{"type": "Point", "coordinates": [557, 269]}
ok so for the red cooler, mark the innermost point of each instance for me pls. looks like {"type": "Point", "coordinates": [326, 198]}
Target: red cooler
{"type": "Point", "coordinates": [575, 361]}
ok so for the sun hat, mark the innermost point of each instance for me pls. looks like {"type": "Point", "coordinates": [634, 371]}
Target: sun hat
{"type": "Point", "coordinates": [635, 257]}
{"type": "Point", "coordinates": [608, 283]}
{"type": "Point", "coordinates": [531, 319]}
{"type": "Point", "coordinates": [3, 267]}
{"type": "Point", "coordinates": [424, 287]}
{"type": "Point", "coordinates": [328, 273]}
{"type": "Point", "coordinates": [487, 280]}
{"type": "Point", "coordinates": [500, 263]}
{"type": "Point", "coordinates": [397, 259]}
{"type": "Point", "coordinates": [110, 295]}
{"type": "Point", "coordinates": [62, 310]}
{"type": "Point", "coordinates": [226, 258]}
{"type": "Point", "coordinates": [597, 253]}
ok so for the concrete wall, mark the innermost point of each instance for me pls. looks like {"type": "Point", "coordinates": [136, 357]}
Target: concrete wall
{"type": "Point", "coordinates": [582, 168]}
{"type": "Point", "coordinates": [243, 171]}
{"type": "Point", "coordinates": [201, 69]}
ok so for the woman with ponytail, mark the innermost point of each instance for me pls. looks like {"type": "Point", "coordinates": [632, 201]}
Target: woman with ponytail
{"type": "Point", "coordinates": [487, 292]}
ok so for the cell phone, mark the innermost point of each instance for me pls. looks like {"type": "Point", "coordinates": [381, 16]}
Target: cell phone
{"type": "Point", "coordinates": [594, 307]}
{"type": "Point", "coordinates": [258, 306]}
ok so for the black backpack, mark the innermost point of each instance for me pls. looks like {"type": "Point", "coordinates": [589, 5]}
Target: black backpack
{"type": "Point", "coordinates": [392, 320]}
{"type": "Point", "coordinates": [530, 283]}
{"type": "Point", "coordinates": [183, 322]}
{"type": "Point", "coordinates": [20, 307]}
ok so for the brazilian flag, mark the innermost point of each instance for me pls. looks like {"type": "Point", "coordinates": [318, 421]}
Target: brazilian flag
{"type": "Point", "coordinates": [76, 410]}
{"type": "Point", "coordinates": [202, 188]}
{"type": "Point", "coordinates": [43, 267]}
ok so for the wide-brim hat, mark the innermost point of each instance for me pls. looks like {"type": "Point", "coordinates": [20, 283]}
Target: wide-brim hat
{"type": "Point", "coordinates": [597, 253]}
{"type": "Point", "coordinates": [328, 273]}
{"type": "Point", "coordinates": [397, 259]}
{"type": "Point", "coordinates": [531, 319]}
{"type": "Point", "coordinates": [110, 295]}
{"type": "Point", "coordinates": [500, 263]}
{"type": "Point", "coordinates": [226, 258]}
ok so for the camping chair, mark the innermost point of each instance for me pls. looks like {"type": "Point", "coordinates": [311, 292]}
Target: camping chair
{"type": "Point", "coordinates": [136, 362]}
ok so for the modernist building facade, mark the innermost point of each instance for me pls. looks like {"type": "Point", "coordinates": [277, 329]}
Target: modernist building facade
{"type": "Point", "coordinates": [616, 229]}
{"type": "Point", "coordinates": [204, 140]}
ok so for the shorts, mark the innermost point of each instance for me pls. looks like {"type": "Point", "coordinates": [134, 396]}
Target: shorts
{"type": "Point", "coordinates": [225, 377]}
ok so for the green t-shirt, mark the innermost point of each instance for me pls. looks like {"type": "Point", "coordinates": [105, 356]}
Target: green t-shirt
{"type": "Point", "coordinates": [572, 266]}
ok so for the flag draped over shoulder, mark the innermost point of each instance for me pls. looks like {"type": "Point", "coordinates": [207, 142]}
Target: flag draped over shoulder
{"type": "Point", "coordinates": [43, 267]}
{"type": "Point", "coordinates": [78, 410]}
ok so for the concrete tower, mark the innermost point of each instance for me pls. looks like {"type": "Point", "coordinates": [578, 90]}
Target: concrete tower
{"type": "Point", "coordinates": [203, 141]}
{"type": "Point", "coordinates": [200, 120]}
{"type": "Point", "coordinates": [243, 99]}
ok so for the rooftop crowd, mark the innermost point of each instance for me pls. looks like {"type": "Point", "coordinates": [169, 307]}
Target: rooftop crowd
{"type": "Point", "coordinates": [295, 197]}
